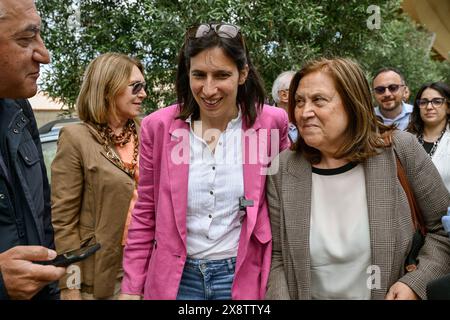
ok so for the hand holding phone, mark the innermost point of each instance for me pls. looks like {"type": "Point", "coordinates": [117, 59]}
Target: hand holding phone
{"type": "Point", "coordinates": [21, 280]}
{"type": "Point", "coordinates": [68, 258]}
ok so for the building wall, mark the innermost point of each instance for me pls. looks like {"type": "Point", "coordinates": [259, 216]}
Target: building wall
{"type": "Point", "coordinates": [46, 109]}
{"type": "Point", "coordinates": [45, 116]}
{"type": "Point", "coordinates": [433, 15]}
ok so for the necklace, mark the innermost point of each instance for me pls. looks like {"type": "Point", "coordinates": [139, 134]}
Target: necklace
{"type": "Point", "coordinates": [124, 137]}
{"type": "Point", "coordinates": [109, 138]}
{"type": "Point", "coordinates": [435, 143]}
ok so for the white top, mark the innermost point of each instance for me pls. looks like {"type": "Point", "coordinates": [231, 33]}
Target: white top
{"type": "Point", "coordinates": [215, 184]}
{"type": "Point", "coordinates": [339, 234]}
{"type": "Point", "coordinates": [402, 120]}
{"type": "Point", "coordinates": [441, 158]}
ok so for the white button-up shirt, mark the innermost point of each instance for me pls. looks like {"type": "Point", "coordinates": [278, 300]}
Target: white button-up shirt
{"type": "Point", "coordinates": [215, 185]}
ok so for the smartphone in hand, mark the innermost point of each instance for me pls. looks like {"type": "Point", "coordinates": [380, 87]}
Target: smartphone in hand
{"type": "Point", "coordinates": [66, 259]}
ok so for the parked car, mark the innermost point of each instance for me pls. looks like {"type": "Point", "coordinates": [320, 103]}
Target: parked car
{"type": "Point", "coordinates": [49, 134]}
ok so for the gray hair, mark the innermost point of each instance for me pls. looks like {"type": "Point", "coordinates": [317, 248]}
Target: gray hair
{"type": "Point", "coordinates": [282, 82]}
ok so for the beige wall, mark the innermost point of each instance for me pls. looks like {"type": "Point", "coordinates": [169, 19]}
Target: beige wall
{"type": "Point", "coordinates": [434, 15]}
{"type": "Point", "coordinates": [46, 109]}
{"type": "Point", "coordinates": [45, 116]}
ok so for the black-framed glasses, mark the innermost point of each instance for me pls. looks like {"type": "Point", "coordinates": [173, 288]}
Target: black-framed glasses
{"type": "Point", "coordinates": [393, 88]}
{"type": "Point", "coordinates": [137, 87]}
{"type": "Point", "coordinates": [435, 102]}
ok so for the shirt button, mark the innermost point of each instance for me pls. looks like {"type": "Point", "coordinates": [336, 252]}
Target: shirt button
{"type": "Point", "coordinates": [211, 192]}
{"type": "Point", "coordinates": [210, 216]}
{"type": "Point", "coordinates": [220, 143]}
{"type": "Point", "coordinates": [214, 168]}
{"type": "Point", "coordinates": [16, 131]}
{"type": "Point", "coordinates": [2, 196]}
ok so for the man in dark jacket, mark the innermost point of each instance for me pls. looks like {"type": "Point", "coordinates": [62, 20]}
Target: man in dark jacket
{"type": "Point", "coordinates": [26, 233]}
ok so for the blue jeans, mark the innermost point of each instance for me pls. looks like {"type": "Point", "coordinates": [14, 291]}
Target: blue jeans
{"type": "Point", "coordinates": [207, 279]}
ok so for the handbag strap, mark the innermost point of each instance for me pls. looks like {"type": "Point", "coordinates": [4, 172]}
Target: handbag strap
{"type": "Point", "coordinates": [416, 214]}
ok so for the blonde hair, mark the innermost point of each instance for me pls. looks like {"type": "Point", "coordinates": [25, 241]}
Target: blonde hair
{"type": "Point", "coordinates": [363, 132]}
{"type": "Point", "coordinates": [105, 77]}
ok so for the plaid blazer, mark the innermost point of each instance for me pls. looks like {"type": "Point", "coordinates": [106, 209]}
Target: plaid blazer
{"type": "Point", "coordinates": [391, 228]}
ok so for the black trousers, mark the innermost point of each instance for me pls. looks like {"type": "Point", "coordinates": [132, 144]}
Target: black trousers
{"type": "Point", "coordinates": [439, 289]}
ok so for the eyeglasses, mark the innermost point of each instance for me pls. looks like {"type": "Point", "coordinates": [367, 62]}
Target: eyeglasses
{"type": "Point", "coordinates": [137, 87]}
{"type": "Point", "coordinates": [393, 88]}
{"type": "Point", "coordinates": [435, 102]}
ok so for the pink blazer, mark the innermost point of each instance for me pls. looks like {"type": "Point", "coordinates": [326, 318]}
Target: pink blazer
{"type": "Point", "coordinates": [155, 252]}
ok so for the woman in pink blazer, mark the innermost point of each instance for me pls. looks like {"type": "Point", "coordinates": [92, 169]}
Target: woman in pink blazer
{"type": "Point", "coordinates": [200, 228]}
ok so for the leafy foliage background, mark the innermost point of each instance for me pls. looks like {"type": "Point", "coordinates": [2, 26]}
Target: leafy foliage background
{"type": "Point", "coordinates": [281, 35]}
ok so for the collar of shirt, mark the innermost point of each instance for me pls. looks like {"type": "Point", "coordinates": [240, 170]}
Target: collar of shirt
{"type": "Point", "coordinates": [293, 132]}
{"type": "Point", "coordinates": [231, 125]}
{"type": "Point", "coordinates": [406, 111]}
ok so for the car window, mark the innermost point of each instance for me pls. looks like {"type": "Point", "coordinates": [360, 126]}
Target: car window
{"type": "Point", "coordinates": [49, 152]}
{"type": "Point", "coordinates": [48, 134]}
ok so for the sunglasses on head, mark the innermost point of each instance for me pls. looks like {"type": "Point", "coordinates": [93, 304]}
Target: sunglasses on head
{"type": "Point", "coordinates": [137, 87]}
{"type": "Point", "coordinates": [393, 88]}
{"type": "Point", "coordinates": [222, 30]}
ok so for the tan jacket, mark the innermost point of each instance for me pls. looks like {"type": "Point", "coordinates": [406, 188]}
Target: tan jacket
{"type": "Point", "coordinates": [90, 198]}
{"type": "Point", "coordinates": [391, 229]}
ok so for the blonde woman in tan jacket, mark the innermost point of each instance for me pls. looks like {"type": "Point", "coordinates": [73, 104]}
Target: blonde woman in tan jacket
{"type": "Point", "coordinates": [95, 173]}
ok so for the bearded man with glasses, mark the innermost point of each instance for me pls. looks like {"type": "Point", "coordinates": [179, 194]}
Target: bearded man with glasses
{"type": "Point", "coordinates": [389, 88]}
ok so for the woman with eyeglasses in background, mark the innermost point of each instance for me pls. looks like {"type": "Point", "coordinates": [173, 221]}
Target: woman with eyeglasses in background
{"type": "Point", "coordinates": [430, 122]}
{"type": "Point", "coordinates": [200, 229]}
{"type": "Point", "coordinates": [95, 174]}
